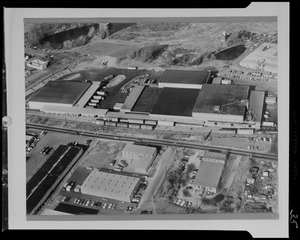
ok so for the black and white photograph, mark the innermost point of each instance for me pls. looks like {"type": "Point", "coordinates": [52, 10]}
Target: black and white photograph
{"type": "Point", "coordinates": [151, 117]}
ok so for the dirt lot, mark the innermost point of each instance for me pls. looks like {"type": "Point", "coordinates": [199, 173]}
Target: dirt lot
{"type": "Point", "coordinates": [103, 153]}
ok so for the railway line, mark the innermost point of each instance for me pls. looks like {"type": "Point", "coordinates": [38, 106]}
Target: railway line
{"type": "Point", "coordinates": [148, 141]}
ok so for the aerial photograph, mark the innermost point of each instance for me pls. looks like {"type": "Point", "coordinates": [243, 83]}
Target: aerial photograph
{"type": "Point", "coordinates": [157, 117]}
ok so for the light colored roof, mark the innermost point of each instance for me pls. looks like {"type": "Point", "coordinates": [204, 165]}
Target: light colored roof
{"type": "Point", "coordinates": [141, 163]}
{"type": "Point", "coordinates": [217, 80]}
{"type": "Point", "coordinates": [256, 104]}
{"type": "Point", "coordinates": [109, 185]}
{"type": "Point", "coordinates": [88, 94]}
{"type": "Point", "coordinates": [132, 97]}
{"type": "Point", "coordinates": [28, 137]}
{"type": "Point", "coordinates": [74, 110]}
{"type": "Point", "coordinates": [209, 174]}
{"type": "Point", "coordinates": [215, 155]}
{"type": "Point", "coordinates": [139, 149]}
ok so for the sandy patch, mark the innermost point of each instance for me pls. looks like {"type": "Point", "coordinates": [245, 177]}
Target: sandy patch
{"type": "Point", "coordinates": [74, 76]}
{"type": "Point", "coordinates": [115, 81]}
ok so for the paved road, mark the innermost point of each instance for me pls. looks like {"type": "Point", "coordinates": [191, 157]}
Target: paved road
{"type": "Point", "coordinates": [157, 179]}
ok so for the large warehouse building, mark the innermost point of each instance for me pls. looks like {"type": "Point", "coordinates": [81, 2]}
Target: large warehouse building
{"type": "Point", "coordinates": [210, 170]}
{"type": "Point", "coordinates": [140, 158]}
{"type": "Point", "coordinates": [183, 79]}
{"type": "Point", "coordinates": [221, 103]}
{"type": "Point", "coordinates": [58, 93]}
{"type": "Point", "coordinates": [208, 175]}
{"type": "Point", "coordinates": [110, 185]}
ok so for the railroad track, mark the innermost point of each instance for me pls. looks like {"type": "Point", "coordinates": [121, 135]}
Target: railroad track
{"type": "Point", "coordinates": [148, 141]}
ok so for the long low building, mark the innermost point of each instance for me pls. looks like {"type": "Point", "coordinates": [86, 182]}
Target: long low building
{"type": "Point", "coordinates": [110, 185]}
{"type": "Point", "coordinates": [74, 111]}
{"type": "Point", "coordinates": [256, 105]}
{"type": "Point", "coordinates": [132, 98]}
{"type": "Point", "coordinates": [88, 94]}
{"type": "Point", "coordinates": [183, 79]}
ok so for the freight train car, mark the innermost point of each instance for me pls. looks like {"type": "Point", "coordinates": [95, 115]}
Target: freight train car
{"type": "Point", "coordinates": [110, 123]}
{"type": "Point", "coordinates": [134, 125]}
{"type": "Point", "coordinates": [227, 131]}
{"type": "Point", "coordinates": [125, 120]}
{"type": "Point", "coordinates": [121, 124]}
{"type": "Point", "coordinates": [245, 131]}
{"type": "Point", "coordinates": [138, 121]}
{"type": "Point", "coordinates": [151, 122]}
{"type": "Point", "coordinates": [165, 123]}
{"type": "Point", "coordinates": [147, 127]}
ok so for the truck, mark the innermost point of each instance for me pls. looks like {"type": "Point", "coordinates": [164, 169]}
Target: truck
{"type": "Point", "coordinates": [226, 82]}
{"type": "Point", "coordinates": [245, 131]}
{"type": "Point", "coordinates": [101, 93]}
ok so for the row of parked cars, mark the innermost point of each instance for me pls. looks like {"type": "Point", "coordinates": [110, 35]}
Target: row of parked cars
{"type": "Point", "coordinates": [182, 203]}
{"type": "Point", "coordinates": [46, 150]}
{"type": "Point", "coordinates": [91, 203]}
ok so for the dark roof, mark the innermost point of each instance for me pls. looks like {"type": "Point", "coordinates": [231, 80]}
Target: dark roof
{"type": "Point", "coordinates": [212, 95]}
{"type": "Point", "coordinates": [65, 92]}
{"type": "Point", "coordinates": [256, 104]}
{"type": "Point", "coordinates": [176, 101]}
{"type": "Point", "coordinates": [184, 77]}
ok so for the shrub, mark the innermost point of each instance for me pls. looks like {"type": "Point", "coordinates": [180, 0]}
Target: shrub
{"type": "Point", "coordinates": [186, 193]}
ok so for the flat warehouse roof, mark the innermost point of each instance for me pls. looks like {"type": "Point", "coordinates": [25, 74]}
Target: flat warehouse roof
{"type": "Point", "coordinates": [132, 98]}
{"type": "Point", "coordinates": [209, 174]}
{"type": "Point", "coordinates": [226, 96]}
{"type": "Point", "coordinates": [147, 99]}
{"type": "Point", "coordinates": [65, 92]}
{"type": "Point", "coordinates": [88, 94]}
{"type": "Point", "coordinates": [109, 185]}
{"type": "Point", "coordinates": [176, 101]}
{"type": "Point", "coordinates": [139, 149]}
{"type": "Point", "coordinates": [184, 77]}
{"type": "Point", "coordinates": [74, 110]}
{"type": "Point", "coordinates": [256, 104]}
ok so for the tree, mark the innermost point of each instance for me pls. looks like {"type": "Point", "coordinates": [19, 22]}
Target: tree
{"type": "Point", "coordinates": [190, 167]}
{"type": "Point", "coordinates": [186, 193]}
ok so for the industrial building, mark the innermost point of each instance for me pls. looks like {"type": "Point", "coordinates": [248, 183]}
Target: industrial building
{"type": "Point", "coordinates": [38, 64]}
{"type": "Point", "coordinates": [132, 98]}
{"type": "Point", "coordinates": [110, 185]}
{"type": "Point", "coordinates": [140, 158]}
{"type": "Point", "coordinates": [74, 111]}
{"type": "Point", "coordinates": [175, 101]}
{"type": "Point", "coordinates": [58, 93]}
{"type": "Point", "coordinates": [224, 103]}
{"type": "Point", "coordinates": [208, 175]}
{"type": "Point", "coordinates": [256, 106]}
{"type": "Point", "coordinates": [183, 79]}
{"type": "Point", "coordinates": [263, 58]}
{"type": "Point", "coordinates": [88, 94]}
